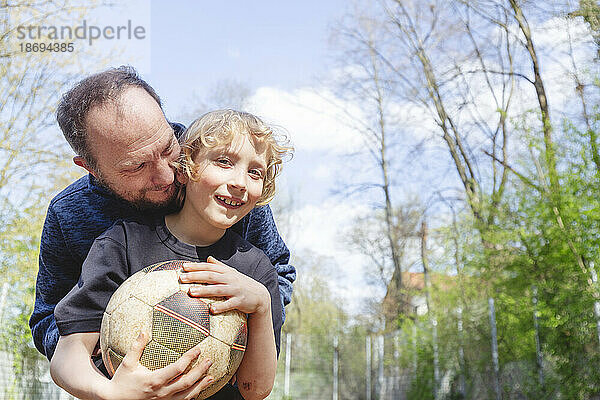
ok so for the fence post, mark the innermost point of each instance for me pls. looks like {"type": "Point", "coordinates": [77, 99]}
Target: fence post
{"type": "Point", "coordinates": [3, 299]}
{"type": "Point", "coordinates": [461, 354]}
{"type": "Point", "coordinates": [288, 358]}
{"type": "Point", "coordinates": [368, 353]}
{"type": "Point", "coordinates": [538, 349]}
{"type": "Point", "coordinates": [381, 379]}
{"type": "Point", "coordinates": [596, 303]}
{"type": "Point", "coordinates": [436, 361]}
{"type": "Point", "coordinates": [414, 343]}
{"type": "Point", "coordinates": [495, 349]}
{"type": "Point", "coordinates": [396, 387]}
{"type": "Point", "coordinates": [335, 367]}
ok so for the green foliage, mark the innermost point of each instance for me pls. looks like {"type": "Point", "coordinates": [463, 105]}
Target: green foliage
{"type": "Point", "coordinates": [19, 240]}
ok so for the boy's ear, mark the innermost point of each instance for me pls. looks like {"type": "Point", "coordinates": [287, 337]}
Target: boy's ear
{"type": "Point", "coordinates": [79, 161]}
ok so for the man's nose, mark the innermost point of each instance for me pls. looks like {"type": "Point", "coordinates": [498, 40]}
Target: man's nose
{"type": "Point", "coordinates": [163, 174]}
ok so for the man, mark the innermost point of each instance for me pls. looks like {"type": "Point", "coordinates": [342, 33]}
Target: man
{"type": "Point", "coordinates": [128, 153]}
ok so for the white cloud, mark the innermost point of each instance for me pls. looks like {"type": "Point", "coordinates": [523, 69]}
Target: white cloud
{"type": "Point", "coordinates": [233, 52]}
{"type": "Point", "coordinates": [311, 117]}
{"type": "Point", "coordinates": [323, 172]}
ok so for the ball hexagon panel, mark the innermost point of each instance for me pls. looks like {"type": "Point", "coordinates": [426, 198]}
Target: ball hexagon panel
{"type": "Point", "coordinates": [156, 356]}
{"type": "Point", "coordinates": [241, 338]}
{"type": "Point", "coordinates": [111, 360]}
{"type": "Point", "coordinates": [219, 353]}
{"type": "Point", "coordinates": [191, 310]}
{"type": "Point", "coordinates": [179, 322]}
{"type": "Point", "coordinates": [174, 265]}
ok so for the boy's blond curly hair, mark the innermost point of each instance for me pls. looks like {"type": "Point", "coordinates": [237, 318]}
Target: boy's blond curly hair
{"type": "Point", "coordinates": [218, 128]}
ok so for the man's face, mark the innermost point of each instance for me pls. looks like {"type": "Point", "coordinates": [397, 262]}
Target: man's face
{"type": "Point", "coordinates": [133, 145]}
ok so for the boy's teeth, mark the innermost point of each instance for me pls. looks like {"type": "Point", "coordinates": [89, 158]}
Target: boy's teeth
{"type": "Point", "coordinates": [229, 202]}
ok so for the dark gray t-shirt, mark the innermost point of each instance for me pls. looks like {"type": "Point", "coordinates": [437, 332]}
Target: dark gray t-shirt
{"type": "Point", "coordinates": [128, 247]}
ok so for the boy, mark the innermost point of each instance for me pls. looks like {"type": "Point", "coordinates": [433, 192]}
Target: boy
{"type": "Point", "coordinates": [228, 165]}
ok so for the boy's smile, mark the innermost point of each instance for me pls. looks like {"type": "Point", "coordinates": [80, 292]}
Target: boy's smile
{"type": "Point", "coordinates": [229, 202]}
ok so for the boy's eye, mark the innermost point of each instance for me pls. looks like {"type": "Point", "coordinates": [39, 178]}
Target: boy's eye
{"type": "Point", "coordinates": [223, 161]}
{"type": "Point", "coordinates": [256, 173]}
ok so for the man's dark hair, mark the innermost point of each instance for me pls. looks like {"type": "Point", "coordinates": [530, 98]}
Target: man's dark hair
{"type": "Point", "coordinates": [97, 89]}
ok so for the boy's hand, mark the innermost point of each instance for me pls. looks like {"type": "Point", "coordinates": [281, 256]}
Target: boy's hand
{"type": "Point", "coordinates": [242, 292]}
{"type": "Point", "coordinates": [134, 381]}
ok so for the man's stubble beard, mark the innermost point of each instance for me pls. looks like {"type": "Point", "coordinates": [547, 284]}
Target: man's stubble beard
{"type": "Point", "coordinates": [166, 206]}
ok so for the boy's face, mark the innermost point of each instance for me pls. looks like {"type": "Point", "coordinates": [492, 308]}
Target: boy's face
{"type": "Point", "coordinates": [229, 181]}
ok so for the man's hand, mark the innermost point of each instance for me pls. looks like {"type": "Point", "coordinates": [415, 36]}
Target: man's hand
{"type": "Point", "coordinates": [242, 292]}
{"type": "Point", "coordinates": [134, 381]}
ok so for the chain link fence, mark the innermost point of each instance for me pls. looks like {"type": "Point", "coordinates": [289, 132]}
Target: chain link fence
{"type": "Point", "coordinates": [27, 380]}
{"type": "Point", "coordinates": [454, 358]}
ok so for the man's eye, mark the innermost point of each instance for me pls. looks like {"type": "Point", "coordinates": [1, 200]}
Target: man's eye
{"type": "Point", "coordinates": [169, 149]}
{"type": "Point", "coordinates": [138, 167]}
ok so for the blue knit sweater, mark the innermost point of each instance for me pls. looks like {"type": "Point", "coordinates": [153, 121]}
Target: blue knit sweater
{"type": "Point", "coordinates": [84, 210]}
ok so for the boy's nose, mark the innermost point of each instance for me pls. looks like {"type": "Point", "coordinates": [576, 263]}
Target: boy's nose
{"type": "Point", "coordinates": [238, 180]}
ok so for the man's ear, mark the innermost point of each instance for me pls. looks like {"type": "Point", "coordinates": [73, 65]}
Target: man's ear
{"type": "Point", "coordinates": [79, 161]}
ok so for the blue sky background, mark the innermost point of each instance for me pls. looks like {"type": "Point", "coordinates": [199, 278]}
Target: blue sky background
{"type": "Point", "coordinates": [266, 43]}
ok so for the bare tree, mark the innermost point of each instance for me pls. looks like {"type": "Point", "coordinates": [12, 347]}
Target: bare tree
{"type": "Point", "coordinates": [369, 87]}
{"type": "Point", "coordinates": [30, 84]}
{"type": "Point", "coordinates": [462, 88]}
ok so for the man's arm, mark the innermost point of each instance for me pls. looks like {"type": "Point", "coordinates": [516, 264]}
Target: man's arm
{"type": "Point", "coordinates": [58, 273]}
{"type": "Point", "coordinates": [262, 232]}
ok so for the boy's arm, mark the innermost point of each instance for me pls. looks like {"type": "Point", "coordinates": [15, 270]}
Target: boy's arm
{"type": "Point", "coordinates": [72, 369]}
{"type": "Point", "coordinates": [256, 374]}
{"type": "Point", "coordinates": [262, 232]}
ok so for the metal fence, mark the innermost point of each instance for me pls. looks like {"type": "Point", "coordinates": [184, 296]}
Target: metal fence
{"type": "Point", "coordinates": [27, 382]}
{"type": "Point", "coordinates": [426, 360]}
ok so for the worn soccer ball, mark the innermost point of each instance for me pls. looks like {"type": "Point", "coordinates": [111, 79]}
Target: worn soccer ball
{"type": "Point", "coordinates": [154, 301]}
